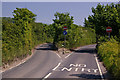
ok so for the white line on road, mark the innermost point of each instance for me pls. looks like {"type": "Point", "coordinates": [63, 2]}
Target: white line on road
{"type": "Point", "coordinates": [58, 55]}
{"type": "Point", "coordinates": [57, 66]}
{"type": "Point", "coordinates": [68, 55]}
{"type": "Point", "coordinates": [52, 69]}
{"type": "Point", "coordinates": [99, 67]}
{"type": "Point", "coordinates": [15, 66]}
{"type": "Point", "coordinates": [47, 76]}
{"type": "Point", "coordinates": [20, 63]}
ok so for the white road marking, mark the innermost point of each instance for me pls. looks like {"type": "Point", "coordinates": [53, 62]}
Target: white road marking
{"type": "Point", "coordinates": [76, 69]}
{"type": "Point", "coordinates": [95, 70]}
{"type": "Point", "coordinates": [19, 63]}
{"type": "Point", "coordinates": [99, 67]}
{"type": "Point", "coordinates": [57, 66]}
{"type": "Point", "coordinates": [83, 69]}
{"type": "Point", "coordinates": [79, 69]}
{"type": "Point", "coordinates": [14, 66]}
{"type": "Point", "coordinates": [47, 76]}
{"type": "Point", "coordinates": [2, 71]}
{"type": "Point", "coordinates": [78, 65]}
{"type": "Point", "coordinates": [68, 55]}
{"type": "Point", "coordinates": [58, 55]}
{"type": "Point", "coordinates": [66, 69]}
{"type": "Point", "coordinates": [74, 65]}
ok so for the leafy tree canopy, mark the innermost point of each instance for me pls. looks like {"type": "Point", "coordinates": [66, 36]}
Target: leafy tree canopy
{"type": "Point", "coordinates": [61, 20]}
{"type": "Point", "coordinates": [104, 16]}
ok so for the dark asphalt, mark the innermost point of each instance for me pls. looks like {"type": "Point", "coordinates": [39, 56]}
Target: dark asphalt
{"type": "Point", "coordinates": [80, 64]}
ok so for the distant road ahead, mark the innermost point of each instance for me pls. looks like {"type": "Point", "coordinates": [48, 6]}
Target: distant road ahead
{"type": "Point", "coordinates": [81, 63]}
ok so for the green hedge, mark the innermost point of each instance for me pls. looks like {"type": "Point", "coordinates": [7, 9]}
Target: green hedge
{"type": "Point", "coordinates": [16, 44]}
{"type": "Point", "coordinates": [110, 54]}
{"type": "Point", "coordinates": [0, 52]}
{"type": "Point", "coordinates": [22, 33]}
{"type": "Point", "coordinates": [78, 36]}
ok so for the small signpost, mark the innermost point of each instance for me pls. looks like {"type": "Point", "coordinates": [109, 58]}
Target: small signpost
{"type": "Point", "coordinates": [65, 33]}
{"type": "Point", "coordinates": [65, 28]}
{"type": "Point", "coordinates": [109, 30]}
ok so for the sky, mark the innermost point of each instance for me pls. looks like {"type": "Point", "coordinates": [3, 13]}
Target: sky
{"type": "Point", "coordinates": [60, 0]}
{"type": "Point", "coordinates": [45, 10]}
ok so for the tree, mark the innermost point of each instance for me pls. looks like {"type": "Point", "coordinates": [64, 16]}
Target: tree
{"type": "Point", "coordinates": [17, 34]}
{"type": "Point", "coordinates": [22, 18]}
{"type": "Point", "coordinates": [61, 20]}
{"type": "Point", "coordinates": [22, 15]}
{"type": "Point", "coordinates": [104, 16]}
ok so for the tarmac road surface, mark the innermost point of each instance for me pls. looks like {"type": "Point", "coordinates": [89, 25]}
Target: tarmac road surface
{"type": "Point", "coordinates": [81, 64]}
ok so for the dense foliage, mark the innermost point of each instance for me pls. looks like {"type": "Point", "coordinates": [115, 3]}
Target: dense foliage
{"type": "Point", "coordinates": [104, 16]}
{"type": "Point", "coordinates": [108, 50]}
{"type": "Point", "coordinates": [60, 21]}
{"type": "Point", "coordinates": [22, 33]}
{"type": "Point", "coordinates": [76, 35]}
{"type": "Point", "coordinates": [110, 54]}
{"type": "Point", "coordinates": [0, 41]}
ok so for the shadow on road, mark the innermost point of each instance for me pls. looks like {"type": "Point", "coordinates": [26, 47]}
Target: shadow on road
{"type": "Point", "coordinates": [85, 50]}
{"type": "Point", "coordinates": [43, 48]}
{"type": "Point", "coordinates": [48, 46]}
{"type": "Point", "coordinates": [87, 76]}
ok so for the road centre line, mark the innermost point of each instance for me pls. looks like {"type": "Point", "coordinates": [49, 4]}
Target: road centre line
{"type": "Point", "coordinates": [99, 67]}
{"type": "Point", "coordinates": [47, 76]}
{"type": "Point", "coordinates": [57, 66]}
{"type": "Point", "coordinates": [52, 69]}
{"type": "Point", "coordinates": [68, 55]}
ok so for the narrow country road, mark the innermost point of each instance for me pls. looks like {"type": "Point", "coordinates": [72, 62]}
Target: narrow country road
{"type": "Point", "coordinates": [45, 64]}
{"type": "Point", "coordinates": [80, 64]}
{"type": "Point", "coordinates": [37, 66]}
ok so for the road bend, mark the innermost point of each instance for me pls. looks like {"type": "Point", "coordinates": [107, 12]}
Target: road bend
{"type": "Point", "coordinates": [82, 63]}
{"type": "Point", "coordinates": [39, 65]}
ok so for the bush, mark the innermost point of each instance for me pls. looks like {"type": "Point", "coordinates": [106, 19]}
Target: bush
{"type": "Point", "coordinates": [15, 44]}
{"type": "Point", "coordinates": [77, 36]}
{"type": "Point", "coordinates": [110, 55]}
